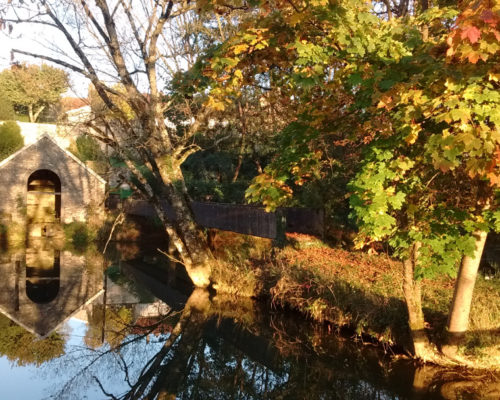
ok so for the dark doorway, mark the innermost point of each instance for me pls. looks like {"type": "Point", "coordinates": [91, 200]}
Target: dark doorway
{"type": "Point", "coordinates": [42, 275]}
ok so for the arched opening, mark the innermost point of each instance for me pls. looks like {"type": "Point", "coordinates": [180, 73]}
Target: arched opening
{"type": "Point", "coordinates": [43, 203]}
{"type": "Point", "coordinates": [42, 276]}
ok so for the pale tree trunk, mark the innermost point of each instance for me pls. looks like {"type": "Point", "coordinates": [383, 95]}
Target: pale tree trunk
{"type": "Point", "coordinates": [423, 378]}
{"type": "Point", "coordinates": [34, 115]}
{"type": "Point", "coordinates": [458, 319]}
{"type": "Point", "coordinates": [413, 296]}
{"type": "Point", "coordinates": [37, 113]}
{"type": "Point", "coordinates": [30, 113]}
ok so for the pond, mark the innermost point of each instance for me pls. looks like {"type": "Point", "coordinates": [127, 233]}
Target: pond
{"type": "Point", "coordinates": [74, 325]}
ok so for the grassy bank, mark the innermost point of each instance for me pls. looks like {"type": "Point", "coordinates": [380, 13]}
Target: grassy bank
{"type": "Point", "coordinates": [353, 289]}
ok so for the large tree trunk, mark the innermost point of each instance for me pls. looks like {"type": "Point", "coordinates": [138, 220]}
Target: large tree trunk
{"type": "Point", "coordinates": [413, 297]}
{"type": "Point", "coordinates": [182, 230]}
{"type": "Point", "coordinates": [189, 241]}
{"type": "Point", "coordinates": [458, 319]}
{"type": "Point", "coordinates": [194, 250]}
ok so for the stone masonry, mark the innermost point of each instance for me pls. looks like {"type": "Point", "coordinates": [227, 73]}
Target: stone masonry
{"type": "Point", "coordinates": [81, 187]}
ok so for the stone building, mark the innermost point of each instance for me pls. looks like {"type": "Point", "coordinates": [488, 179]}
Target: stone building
{"type": "Point", "coordinates": [43, 183]}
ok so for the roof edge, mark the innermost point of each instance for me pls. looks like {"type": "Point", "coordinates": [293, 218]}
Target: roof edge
{"type": "Point", "coordinates": [15, 154]}
{"type": "Point", "coordinates": [68, 153]}
{"type": "Point", "coordinates": [72, 156]}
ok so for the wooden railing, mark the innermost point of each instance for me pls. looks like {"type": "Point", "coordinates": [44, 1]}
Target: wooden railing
{"type": "Point", "coordinates": [246, 219]}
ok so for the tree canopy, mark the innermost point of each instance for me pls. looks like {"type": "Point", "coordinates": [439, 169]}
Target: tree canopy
{"type": "Point", "coordinates": [6, 108]}
{"type": "Point", "coordinates": [33, 87]}
{"type": "Point", "coordinates": [398, 98]}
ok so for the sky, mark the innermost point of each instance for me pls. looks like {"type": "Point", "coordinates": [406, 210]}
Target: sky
{"type": "Point", "coordinates": [45, 40]}
{"type": "Point", "coordinates": [35, 39]}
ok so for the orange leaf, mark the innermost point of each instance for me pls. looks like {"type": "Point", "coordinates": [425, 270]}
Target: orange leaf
{"type": "Point", "coordinates": [473, 57]}
{"type": "Point", "coordinates": [471, 33]}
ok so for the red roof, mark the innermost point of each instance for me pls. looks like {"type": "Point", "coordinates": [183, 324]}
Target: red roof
{"type": "Point", "coordinates": [72, 103]}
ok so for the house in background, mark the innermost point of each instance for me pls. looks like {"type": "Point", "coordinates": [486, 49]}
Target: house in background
{"type": "Point", "coordinates": [44, 184]}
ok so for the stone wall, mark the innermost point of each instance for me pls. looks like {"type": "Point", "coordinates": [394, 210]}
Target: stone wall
{"type": "Point", "coordinates": [80, 187]}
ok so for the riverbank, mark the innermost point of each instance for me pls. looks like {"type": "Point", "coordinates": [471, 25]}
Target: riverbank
{"type": "Point", "coordinates": [354, 290]}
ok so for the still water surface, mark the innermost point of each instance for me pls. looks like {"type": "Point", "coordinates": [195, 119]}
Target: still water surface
{"type": "Point", "coordinates": [76, 326]}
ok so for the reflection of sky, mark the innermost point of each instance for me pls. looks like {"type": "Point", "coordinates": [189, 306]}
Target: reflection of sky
{"type": "Point", "coordinates": [32, 383]}
{"type": "Point", "coordinates": [14, 379]}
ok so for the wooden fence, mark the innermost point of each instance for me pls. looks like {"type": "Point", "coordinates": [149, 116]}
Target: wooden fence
{"type": "Point", "coordinates": [246, 219]}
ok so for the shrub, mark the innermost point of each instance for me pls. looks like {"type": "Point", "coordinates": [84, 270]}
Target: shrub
{"type": "Point", "coordinates": [11, 139]}
{"type": "Point", "coordinates": [78, 234]}
{"type": "Point", "coordinates": [88, 149]}
{"type": "Point", "coordinates": [6, 108]}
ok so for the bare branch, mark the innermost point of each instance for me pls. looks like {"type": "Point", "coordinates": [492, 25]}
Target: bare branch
{"type": "Point", "coordinates": [51, 59]}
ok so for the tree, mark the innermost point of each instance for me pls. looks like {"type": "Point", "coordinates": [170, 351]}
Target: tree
{"type": "Point", "coordinates": [33, 86]}
{"type": "Point", "coordinates": [88, 149]}
{"type": "Point", "coordinates": [128, 50]}
{"type": "Point", "coordinates": [11, 139]}
{"type": "Point", "coordinates": [420, 125]}
{"type": "Point", "coordinates": [476, 40]}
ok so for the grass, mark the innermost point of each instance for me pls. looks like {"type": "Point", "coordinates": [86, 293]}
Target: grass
{"type": "Point", "coordinates": [353, 289]}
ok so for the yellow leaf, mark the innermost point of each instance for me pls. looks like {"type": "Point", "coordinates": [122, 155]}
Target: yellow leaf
{"type": "Point", "coordinates": [385, 102]}
{"type": "Point", "coordinates": [238, 74]}
{"type": "Point", "coordinates": [413, 136]}
{"type": "Point", "coordinates": [240, 48]}
{"type": "Point", "coordinates": [493, 77]}
{"type": "Point", "coordinates": [215, 104]}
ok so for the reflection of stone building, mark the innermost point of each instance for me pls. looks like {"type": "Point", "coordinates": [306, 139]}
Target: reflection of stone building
{"type": "Point", "coordinates": [42, 288]}
{"type": "Point", "coordinates": [47, 183]}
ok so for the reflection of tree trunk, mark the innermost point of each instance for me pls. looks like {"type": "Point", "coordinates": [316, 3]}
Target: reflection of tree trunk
{"type": "Point", "coordinates": [413, 296]}
{"type": "Point", "coordinates": [163, 381]}
{"type": "Point", "coordinates": [18, 277]}
{"type": "Point", "coordinates": [422, 379]}
{"type": "Point", "coordinates": [458, 319]}
{"type": "Point", "coordinates": [237, 373]}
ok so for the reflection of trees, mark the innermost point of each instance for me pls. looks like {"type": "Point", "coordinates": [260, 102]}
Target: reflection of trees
{"type": "Point", "coordinates": [108, 324]}
{"type": "Point", "coordinates": [205, 357]}
{"type": "Point", "coordinates": [24, 348]}
{"type": "Point", "coordinates": [203, 353]}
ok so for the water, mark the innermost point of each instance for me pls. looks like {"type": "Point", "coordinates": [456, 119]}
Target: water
{"type": "Point", "coordinates": [72, 329]}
